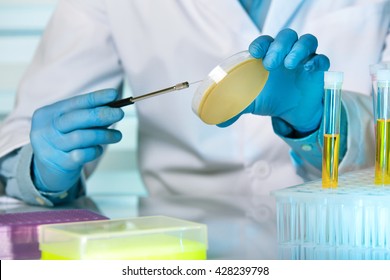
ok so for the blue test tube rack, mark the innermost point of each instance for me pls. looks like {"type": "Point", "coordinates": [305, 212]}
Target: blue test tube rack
{"type": "Point", "coordinates": [349, 222]}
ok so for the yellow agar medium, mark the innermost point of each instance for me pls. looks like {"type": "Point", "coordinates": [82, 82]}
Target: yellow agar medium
{"type": "Point", "coordinates": [223, 100]}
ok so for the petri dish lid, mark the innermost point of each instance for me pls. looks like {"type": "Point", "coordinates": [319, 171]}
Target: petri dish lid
{"type": "Point", "coordinates": [229, 88]}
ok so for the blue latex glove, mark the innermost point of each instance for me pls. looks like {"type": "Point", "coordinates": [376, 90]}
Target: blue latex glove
{"type": "Point", "coordinates": [67, 134]}
{"type": "Point", "coordinates": [294, 90]}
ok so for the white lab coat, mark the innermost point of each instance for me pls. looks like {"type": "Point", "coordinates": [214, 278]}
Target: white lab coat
{"type": "Point", "coordinates": [94, 44]}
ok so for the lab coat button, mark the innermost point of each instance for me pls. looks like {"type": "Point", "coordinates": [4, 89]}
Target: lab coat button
{"type": "Point", "coordinates": [262, 169]}
{"type": "Point", "coordinates": [261, 213]}
{"type": "Point", "coordinates": [63, 195]}
{"type": "Point", "coordinates": [40, 200]}
{"type": "Point", "coordinates": [306, 147]}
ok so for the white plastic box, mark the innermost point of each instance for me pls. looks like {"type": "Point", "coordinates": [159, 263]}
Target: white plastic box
{"type": "Point", "coordinates": [349, 222]}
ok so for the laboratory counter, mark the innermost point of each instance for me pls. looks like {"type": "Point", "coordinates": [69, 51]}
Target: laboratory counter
{"type": "Point", "coordinates": [306, 221]}
{"type": "Point", "coordinates": [238, 227]}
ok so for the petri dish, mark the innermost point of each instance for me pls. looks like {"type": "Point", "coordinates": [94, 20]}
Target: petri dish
{"type": "Point", "coordinates": [229, 88]}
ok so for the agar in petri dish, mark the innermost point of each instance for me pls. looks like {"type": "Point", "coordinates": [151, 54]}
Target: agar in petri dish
{"type": "Point", "coordinates": [229, 88]}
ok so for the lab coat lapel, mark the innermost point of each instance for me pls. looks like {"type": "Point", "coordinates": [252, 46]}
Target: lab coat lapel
{"type": "Point", "coordinates": [233, 15]}
{"type": "Point", "coordinates": [279, 15]}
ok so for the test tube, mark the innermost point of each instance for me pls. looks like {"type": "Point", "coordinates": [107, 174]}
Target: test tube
{"type": "Point", "coordinates": [332, 107]}
{"type": "Point", "coordinates": [373, 73]}
{"type": "Point", "coordinates": [382, 127]}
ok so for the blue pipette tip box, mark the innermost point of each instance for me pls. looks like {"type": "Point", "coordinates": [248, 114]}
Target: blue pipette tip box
{"type": "Point", "coordinates": [19, 231]}
{"type": "Point", "coordinates": [351, 221]}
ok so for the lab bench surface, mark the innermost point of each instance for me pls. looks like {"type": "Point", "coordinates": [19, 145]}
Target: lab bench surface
{"type": "Point", "coordinates": [239, 227]}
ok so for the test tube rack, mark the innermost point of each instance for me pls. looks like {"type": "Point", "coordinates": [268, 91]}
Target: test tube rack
{"type": "Point", "coordinates": [351, 221]}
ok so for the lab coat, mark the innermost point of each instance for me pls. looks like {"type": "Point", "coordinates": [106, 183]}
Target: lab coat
{"type": "Point", "coordinates": [95, 44]}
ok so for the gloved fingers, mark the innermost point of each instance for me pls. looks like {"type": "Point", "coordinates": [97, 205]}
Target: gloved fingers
{"type": "Point", "coordinates": [279, 49]}
{"type": "Point", "coordinates": [302, 50]}
{"type": "Point", "coordinates": [259, 47]}
{"type": "Point", "coordinates": [85, 138]}
{"type": "Point", "coordinates": [85, 101]}
{"type": "Point", "coordinates": [318, 62]}
{"type": "Point", "coordinates": [79, 157]}
{"type": "Point", "coordinates": [229, 122]}
{"type": "Point", "coordinates": [60, 163]}
{"type": "Point", "coordinates": [87, 118]}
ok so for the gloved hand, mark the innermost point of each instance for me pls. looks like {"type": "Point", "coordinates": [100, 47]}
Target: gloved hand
{"type": "Point", "coordinates": [67, 134]}
{"type": "Point", "coordinates": [294, 90]}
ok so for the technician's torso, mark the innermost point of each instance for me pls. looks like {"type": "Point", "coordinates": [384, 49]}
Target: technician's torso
{"type": "Point", "coordinates": [176, 41]}
{"type": "Point", "coordinates": [164, 42]}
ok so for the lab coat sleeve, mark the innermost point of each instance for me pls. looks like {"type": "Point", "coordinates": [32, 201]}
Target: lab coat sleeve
{"type": "Point", "coordinates": [76, 55]}
{"type": "Point", "coordinates": [357, 149]}
{"type": "Point", "coordinates": [16, 168]}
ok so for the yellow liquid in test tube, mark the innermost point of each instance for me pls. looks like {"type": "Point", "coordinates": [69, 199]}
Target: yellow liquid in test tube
{"type": "Point", "coordinates": [382, 153]}
{"type": "Point", "coordinates": [330, 161]}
